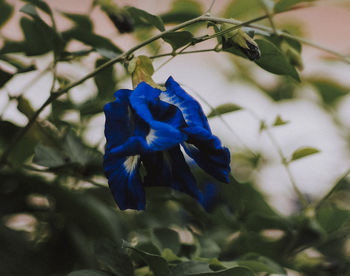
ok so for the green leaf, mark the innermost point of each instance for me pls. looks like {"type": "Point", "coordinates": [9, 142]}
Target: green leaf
{"type": "Point", "coordinates": [279, 121]}
{"type": "Point", "coordinates": [259, 263]}
{"type": "Point", "coordinates": [48, 157]}
{"type": "Point", "coordinates": [87, 272]}
{"type": "Point", "coordinates": [329, 90]}
{"type": "Point", "coordinates": [303, 152]}
{"type": "Point", "coordinates": [4, 77]}
{"type": "Point", "coordinates": [144, 17]}
{"type": "Point", "coordinates": [191, 268]}
{"type": "Point", "coordinates": [332, 218]}
{"type": "Point", "coordinates": [178, 39]}
{"type": "Point", "coordinates": [283, 5]}
{"type": "Point", "coordinates": [80, 20]}
{"type": "Point", "coordinates": [111, 259]}
{"type": "Point", "coordinates": [105, 80]}
{"type": "Point", "coordinates": [273, 60]}
{"type": "Point", "coordinates": [6, 11]}
{"type": "Point", "coordinates": [103, 45]}
{"type": "Point", "coordinates": [224, 108]}
{"type": "Point", "coordinates": [235, 271]}
{"type": "Point", "coordinates": [156, 263]}
{"type": "Point", "coordinates": [168, 239]}
{"type": "Point", "coordinates": [41, 5]}
{"type": "Point", "coordinates": [242, 8]}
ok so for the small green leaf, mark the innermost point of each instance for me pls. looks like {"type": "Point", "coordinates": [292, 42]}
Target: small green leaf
{"type": "Point", "coordinates": [178, 39]}
{"type": "Point", "coordinates": [41, 5]}
{"type": "Point", "coordinates": [283, 5]}
{"type": "Point", "coordinates": [87, 272]}
{"type": "Point", "coordinates": [303, 152]}
{"type": "Point", "coordinates": [223, 109]}
{"type": "Point", "coordinates": [48, 157]}
{"type": "Point", "coordinates": [6, 11]}
{"type": "Point", "coordinates": [279, 121]}
{"type": "Point", "coordinates": [80, 20]}
{"type": "Point", "coordinates": [262, 126]}
{"type": "Point", "coordinates": [332, 218]}
{"type": "Point", "coordinates": [273, 60]}
{"type": "Point", "coordinates": [144, 17]}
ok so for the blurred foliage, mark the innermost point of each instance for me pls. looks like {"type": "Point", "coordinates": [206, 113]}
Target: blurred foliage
{"type": "Point", "coordinates": [57, 214]}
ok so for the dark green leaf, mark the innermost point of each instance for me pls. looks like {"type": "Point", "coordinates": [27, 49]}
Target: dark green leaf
{"type": "Point", "coordinates": [224, 108]}
{"type": "Point", "coordinates": [273, 60]}
{"type": "Point", "coordinates": [4, 77]}
{"type": "Point", "coordinates": [283, 5]}
{"type": "Point", "coordinates": [331, 217]}
{"type": "Point", "coordinates": [48, 157]}
{"type": "Point", "coordinates": [105, 80]}
{"type": "Point", "coordinates": [41, 5]}
{"type": "Point", "coordinates": [86, 272]}
{"type": "Point", "coordinates": [111, 259]}
{"type": "Point", "coordinates": [146, 18]}
{"type": "Point", "coordinates": [168, 239]}
{"type": "Point", "coordinates": [80, 20]}
{"type": "Point", "coordinates": [303, 152]}
{"type": "Point", "coordinates": [178, 39]}
{"type": "Point", "coordinates": [6, 11]}
{"type": "Point", "coordinates": [190, 268]}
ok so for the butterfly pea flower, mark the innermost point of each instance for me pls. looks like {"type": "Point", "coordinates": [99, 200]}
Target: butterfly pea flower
{"type": "Point", "coordinates": [145, 130]}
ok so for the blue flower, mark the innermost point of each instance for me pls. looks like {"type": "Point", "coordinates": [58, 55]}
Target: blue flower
{"type": "Point", "coordinates": [146, 127]}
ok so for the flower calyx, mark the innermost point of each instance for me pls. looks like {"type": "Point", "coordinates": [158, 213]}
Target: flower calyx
{"type": "Point", "coordinates": [141, 70]}
{"type": "Point", "coordinates": [241, 39]}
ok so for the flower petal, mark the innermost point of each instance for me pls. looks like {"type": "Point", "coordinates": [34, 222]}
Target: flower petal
{"type": "Point", "coordinates": [207, 151]}
{"type": "Point", "coordinates": [125, 182]}
{"type": "Point", "coordinates": [170, 169]}
{"type": "Point", "coordinates": [190, 108]}
{"type": "Point", "coordinates": [118, 126]}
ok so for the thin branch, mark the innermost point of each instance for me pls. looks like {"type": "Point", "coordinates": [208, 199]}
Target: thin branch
{"type": "Point", "coordinates": [211, 7]}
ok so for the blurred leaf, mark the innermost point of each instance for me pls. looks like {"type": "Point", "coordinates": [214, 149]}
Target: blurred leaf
{"type": "Point", "coordinates": [80, 20]}
{"type": "Point", "coordinates": [111, 259]}
{"type": "Point", "coordinates": [105, 80]}
{"type": "Point", "coordinates": [4, 77]}
{"type": "Point", "coordinates": [41, 5]}
{"type": "Point", "coordinates": [236, 271]}
{"type": "Point", "coordinates": [224, 108]}
{"type": "Point", "coordinates": [242, 8]}
{"type": "Point", "coordinates": [329, 90]}
{"type": "Point", "coordinates": [39, 37]}
{"type": "Point", "coordinates": [156, 263]}
{"type": "Point", "coordinates": [144, 17]}
{"type": "Point", "coordinates": [261, 221]}
{"type": "Point", "coordinates": [279, 121]}
{"type": "Point", "coordinates": [182, 10]}
{"type": "Point", "coordinates": [6, 11]}
{"type": "Point", "coordinates": [86, 272]}
{"type": "Point", "coordinates": [168, 239]}
{"type": "Point", "coordinates": [303, 152]}
{"type": "Point", "coordinates": [178, 39]}
{"type": "Point", "coordinates": [190, 268]}
{"type": "Point", "coordinates": [48, 157]}
{"type": "Point", "coordinates": [283, 5]}
{"type": "Point", "coordinates": [331, 218]}
{"type": "Point", "coordinates": [274, 61]}
{"type": "Point", "coordinates": [259, 263]}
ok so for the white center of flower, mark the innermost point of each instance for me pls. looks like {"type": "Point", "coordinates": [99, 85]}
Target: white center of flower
{"type": "Point", "coordinates": [151, 136]}
{"type": "Point", "coordinates": [131, 162]}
